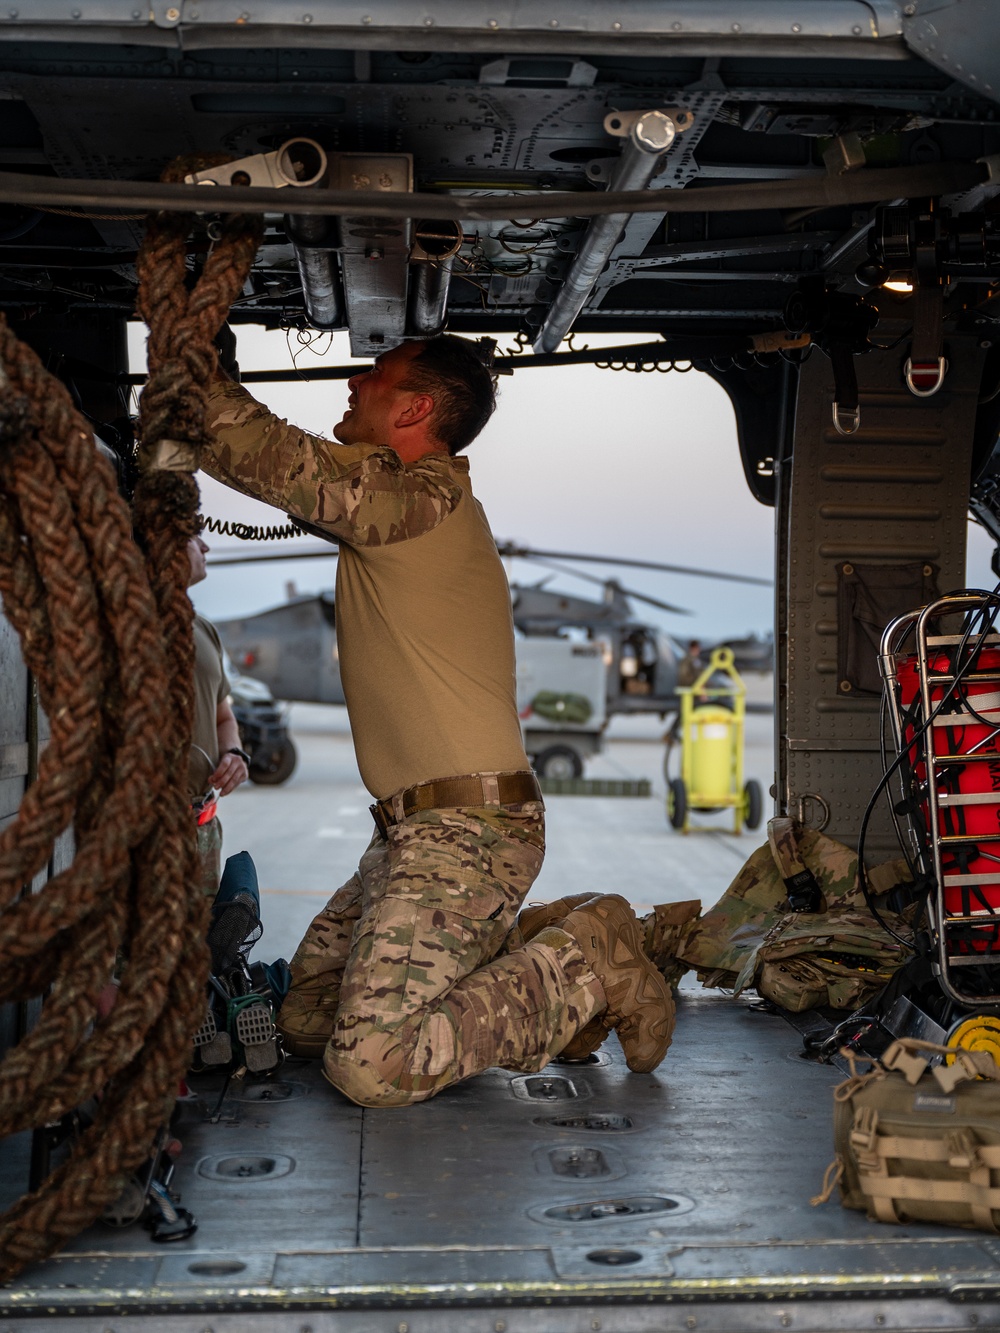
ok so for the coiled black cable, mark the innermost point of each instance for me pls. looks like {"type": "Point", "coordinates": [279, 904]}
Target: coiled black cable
{"type": "Point", "coordinates": [249, 532]}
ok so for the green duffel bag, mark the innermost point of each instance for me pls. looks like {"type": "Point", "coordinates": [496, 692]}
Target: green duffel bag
{"type": "Point", "coordinates": [916, 1144]}
{"type": "Point", "coordinates": [555, 707]}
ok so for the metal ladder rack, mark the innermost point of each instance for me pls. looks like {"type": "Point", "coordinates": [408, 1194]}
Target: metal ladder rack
{"type": "Point", "coordinates": [967, 939]}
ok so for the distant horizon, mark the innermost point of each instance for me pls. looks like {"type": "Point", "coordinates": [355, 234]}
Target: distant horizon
{"type": "Point", "coordinates": [576, 458]}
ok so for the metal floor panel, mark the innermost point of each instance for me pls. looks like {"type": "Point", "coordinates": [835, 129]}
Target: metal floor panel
{"type": "Point", "coordinates": [688, 1189]}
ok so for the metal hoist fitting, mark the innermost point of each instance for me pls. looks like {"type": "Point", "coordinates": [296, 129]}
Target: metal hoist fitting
{"type": "Point", "coordinates": [648, 136]}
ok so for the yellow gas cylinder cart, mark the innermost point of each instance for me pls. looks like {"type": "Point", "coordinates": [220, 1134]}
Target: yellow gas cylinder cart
{"type": "Point", "coordinates": [711, 726]}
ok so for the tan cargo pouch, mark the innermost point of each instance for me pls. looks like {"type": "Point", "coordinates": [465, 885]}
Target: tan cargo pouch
{"type": "Point", "coordinates": [917, 1144]}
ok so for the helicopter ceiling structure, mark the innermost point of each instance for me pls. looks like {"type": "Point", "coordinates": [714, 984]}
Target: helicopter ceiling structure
{"type": "Point", "coordinates": [732, 191]}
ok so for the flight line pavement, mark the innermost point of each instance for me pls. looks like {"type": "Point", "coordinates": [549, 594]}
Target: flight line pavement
{"type": "Point", "coordinates": [306, 836]}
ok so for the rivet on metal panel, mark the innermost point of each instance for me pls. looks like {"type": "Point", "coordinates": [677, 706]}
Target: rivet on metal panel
{"type": "Point", "coordinates": [77, 14]}
{"type": "Point", "coordinates": [174, 14]}
{"type": "Point", "coordinates": [856, 30]}
{"type": "Point", "coordinates": [367, 18]}
{"type": "Point", "coordinates": [595, 1324]}
{"type": "Point", "coordinates": [691, 1322]}
{"type": "Point", "coordinates": [675, 27]}
{"type": "Point", "coordinates": [796, 27]}
{"type": "Point", "coordinates": [428, 23]}
{"type": "Point", "coordinates": [736, 27]}
{"type": "Point", "coordinates": [784, 1320]}
{"type": "Point", "coordinates": [492, 23]}
{"type": "Point", "coordinates": [616, 27]}
{"type": "Point", "coordinates": [500, 1326]}
{"type": "Point", "coordinates": [553, 23]}
{"type": "Point", "coordinates": [403, 1328]}
{"type": "Point", "coordinates": [846, 687]}
{"type": "Point", "coordinates": [307, 18]}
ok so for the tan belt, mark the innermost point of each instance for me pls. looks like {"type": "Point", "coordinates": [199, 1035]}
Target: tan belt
{"type": "Point", "coordinates": [472, 790]}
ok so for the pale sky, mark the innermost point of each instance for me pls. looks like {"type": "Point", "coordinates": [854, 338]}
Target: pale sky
{"type": "Point", "coordinates": [575, 459]}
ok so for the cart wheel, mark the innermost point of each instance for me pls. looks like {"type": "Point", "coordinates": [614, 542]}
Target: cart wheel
{"type": "Point", "coordinates": [753, 804]}
{"type": "Point", "coordinates": [558, 761]}
{"type": "Point", "coordinates": [284, 766]}
{"type": "Point", "coordinates": [677, 803]}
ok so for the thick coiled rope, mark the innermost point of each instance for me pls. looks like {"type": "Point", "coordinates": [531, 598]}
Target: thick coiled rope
{"type": "Point", "coordinates": [107, 633]}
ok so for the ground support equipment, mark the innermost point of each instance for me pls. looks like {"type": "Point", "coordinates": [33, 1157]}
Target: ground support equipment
{"type": "Point", "coordinates": [711, 725]}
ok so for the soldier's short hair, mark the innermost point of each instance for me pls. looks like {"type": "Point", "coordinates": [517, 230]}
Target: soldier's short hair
{"type": "Point", "coordinates": [455, 373]}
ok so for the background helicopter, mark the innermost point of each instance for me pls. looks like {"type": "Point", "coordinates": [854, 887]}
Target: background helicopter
{"type": "Point", "coordinates": [585, 659]}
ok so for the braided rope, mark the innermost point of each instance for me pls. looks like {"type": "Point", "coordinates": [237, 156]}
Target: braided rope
{"type": "Point", "coordinates": [108, 635]}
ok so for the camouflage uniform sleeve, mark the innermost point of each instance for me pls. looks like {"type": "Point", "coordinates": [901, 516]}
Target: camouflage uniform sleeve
{"type": "Point", "coordinates": [360, 494]}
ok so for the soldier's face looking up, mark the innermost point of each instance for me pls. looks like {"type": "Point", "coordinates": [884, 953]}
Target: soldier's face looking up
{"type": "Point", "coordinates": [376, 401]}
{"type": "Point", "coordinates": [197, 550]}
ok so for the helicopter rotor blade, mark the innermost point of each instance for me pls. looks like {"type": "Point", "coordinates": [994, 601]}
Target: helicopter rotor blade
{"type": "Point", "coordinates": [628, 592]}
{"type": "Point", "coordinates": [512, 549]}
{"type": "Point", "coordinates": [227, 559]}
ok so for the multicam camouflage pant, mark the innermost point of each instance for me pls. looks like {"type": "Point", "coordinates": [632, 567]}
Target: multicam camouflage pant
{"type": "Point", "coordinates": [414, 966]}
{"type": "Point", "coordinates": [210, 857]}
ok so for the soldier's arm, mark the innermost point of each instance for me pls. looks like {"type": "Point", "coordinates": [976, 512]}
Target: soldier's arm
{"type": "Point", "coordinates": [359, 494]}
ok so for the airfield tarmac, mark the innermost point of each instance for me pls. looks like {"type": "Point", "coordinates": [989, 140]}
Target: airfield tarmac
{"type": "Point", "coordinates": [306, 836]}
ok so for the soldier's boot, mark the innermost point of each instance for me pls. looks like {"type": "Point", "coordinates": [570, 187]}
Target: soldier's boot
{"type": "Point", "coordinates": [536, 918]}
{"type": "Point", "coordinates": [305, 1019]}
{"type": "Point", "coordinates": [640, 1003]}
{"type": "Point", "coordinates": [665, 930]}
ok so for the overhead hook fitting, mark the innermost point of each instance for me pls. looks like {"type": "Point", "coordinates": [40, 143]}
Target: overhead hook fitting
{"type": "Point", "coordinates": [924, 378]}
{"type": "Point", "coordinates": [924, 239]}
{"type": "Point", "coordinates": [846, 419]}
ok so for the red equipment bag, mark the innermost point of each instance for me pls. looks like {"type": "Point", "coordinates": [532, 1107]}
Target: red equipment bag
{"type": "Point", "coordinates": [968, 784]}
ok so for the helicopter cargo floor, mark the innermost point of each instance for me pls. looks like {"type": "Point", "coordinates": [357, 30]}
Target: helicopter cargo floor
{"type": "Point", "coordinates": [611, 1200]}
{"type": "Point", "coordinates": [579, 1200]}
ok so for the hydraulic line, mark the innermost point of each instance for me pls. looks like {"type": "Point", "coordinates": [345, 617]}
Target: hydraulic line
{"type": "Point", "coordinates": [866, 186]}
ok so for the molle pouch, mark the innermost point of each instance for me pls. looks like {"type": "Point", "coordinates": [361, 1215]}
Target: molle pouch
{"type": "Point", "coordinates": [804, 893]}
{"type": "Point", "coordinates": [920, 1144]}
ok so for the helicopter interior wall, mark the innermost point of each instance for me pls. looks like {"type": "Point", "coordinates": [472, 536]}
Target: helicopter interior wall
{"type": "Point", "coordinates": [895, 493]}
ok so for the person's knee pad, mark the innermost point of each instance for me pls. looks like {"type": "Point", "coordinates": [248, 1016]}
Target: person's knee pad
{"type": "Point", "coordinates": [359, 1073]}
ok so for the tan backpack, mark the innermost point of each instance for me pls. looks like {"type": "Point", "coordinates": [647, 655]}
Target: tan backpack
{"type": "Point", "coordinates": [920, 1144]}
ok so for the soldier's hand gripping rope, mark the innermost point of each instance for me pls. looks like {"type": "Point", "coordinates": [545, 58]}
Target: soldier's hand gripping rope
{"type": "Point", "coordinates": [107, 637]}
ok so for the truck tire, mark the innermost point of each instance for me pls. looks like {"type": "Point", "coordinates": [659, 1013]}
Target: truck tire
{"type": "Point", "coordinates": [558, 761]}
{"type": "Point", "coordinates": [677, 802]}
{"type": "Point", "coordinates": [753, 804]}
{"type": "Point", "coordinates": [282, 770]}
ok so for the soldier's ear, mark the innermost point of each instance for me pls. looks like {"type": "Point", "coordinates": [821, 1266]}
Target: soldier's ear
{"type": "Point", "coordinates": [418, 409]}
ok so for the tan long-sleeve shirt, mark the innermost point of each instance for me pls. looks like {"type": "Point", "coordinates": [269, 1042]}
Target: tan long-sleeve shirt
{"type": "Point", "coordinates": [424, 626]}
